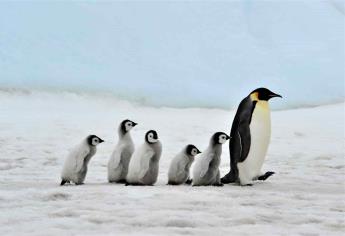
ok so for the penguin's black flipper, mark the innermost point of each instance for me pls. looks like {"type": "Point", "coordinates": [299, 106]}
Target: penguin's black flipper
{"type": "Point", "coordinates": [63, 182]}
{"type": "Point", "coordinates": [244, 140]}
{"type": "Point", "coordinates": [266, 175]}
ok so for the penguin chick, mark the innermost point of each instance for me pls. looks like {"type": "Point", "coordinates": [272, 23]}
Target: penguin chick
{"type": "Point", "coordinates": [180, 165]}
{"type": "Point", "coordinates": [75, 166]}
{"type": "Point", "coordinates": [206, 169]}
{"type": "Point", "coordinates": [144, 164]}
{"type": "Point", "coordinates": [119, 160]}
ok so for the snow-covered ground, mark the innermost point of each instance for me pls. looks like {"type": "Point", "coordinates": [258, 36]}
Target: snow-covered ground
{"type": "Point", "coordinates": [306, 196]}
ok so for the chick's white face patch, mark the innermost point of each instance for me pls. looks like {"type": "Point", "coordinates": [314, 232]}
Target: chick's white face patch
{"type": "Point", "coordinates": [194, 152]}
{"type": "Point", "coordinates": [128, 126]}
{"type": "Point", "coordinates": [151, 139]}
{"type": "Point", "coordinates": [95, 141]}
{"type": "Point", "coordinates": [222, 139]}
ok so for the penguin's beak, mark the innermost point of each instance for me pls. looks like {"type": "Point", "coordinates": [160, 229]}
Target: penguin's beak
{"type": "Point", "coordinates": [273, 95]}
{"type": "Point", "coordinates": [134, 124]}
{"type": "Point", "coordinates": [228, 137]}
{"type": "Point", "coordinates": [198, 151]}
{"type": "Point", "coordinates": [101, 140]}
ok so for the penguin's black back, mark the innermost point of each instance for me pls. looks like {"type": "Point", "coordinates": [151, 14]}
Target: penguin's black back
{"type": "Point", "coordinates": [239, 146]}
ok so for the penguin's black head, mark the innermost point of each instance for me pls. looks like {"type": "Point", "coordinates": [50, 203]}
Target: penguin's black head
{"type": "Point", "coordinates": [263, 94]}
{"type": "Point", "coordinates": [220, 138]}
{"type": "Point", "coordinates": [94, 140]}
{"type": "Point", "coordinates": [151, 137]}
{"type": "Point", "coordinates": [127, 125]}
{"type": "Point", "coordinates": [192, 150]}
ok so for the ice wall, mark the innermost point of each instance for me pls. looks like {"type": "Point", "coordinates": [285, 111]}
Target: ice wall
{"type": "Point", "coordinates": [203, 53]}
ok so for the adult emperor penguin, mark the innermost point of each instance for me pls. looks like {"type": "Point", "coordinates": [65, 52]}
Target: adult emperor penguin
{"type": "Point", "coordinates": [75, 167]}
{"type": "Point", "coordinates": [144, 164]}
{"type": "Point", "coordinates": [179, 167]}
{"type": "Point", "coordinates": [206, 169]}
{"type": "Point", "coordinates": [119, 160]}
{"type": "Point", "coordinates": [250, 132]}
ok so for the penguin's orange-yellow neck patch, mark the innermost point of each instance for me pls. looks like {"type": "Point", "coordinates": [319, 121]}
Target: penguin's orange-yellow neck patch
{"type": "Point", "coordinates": [260, 103]}
{"type": "Point", "coordinates": [254, 96]}
{"type": "Point", "coordinates": [263, 105]}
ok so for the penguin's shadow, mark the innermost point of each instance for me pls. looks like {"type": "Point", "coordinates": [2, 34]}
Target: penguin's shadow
{"type": "Point", "coordinates": [106, 184]}
{"type": "Point", "coordinates": [259, 183]}
{"type": "Point", "coordinates": [125, 185]}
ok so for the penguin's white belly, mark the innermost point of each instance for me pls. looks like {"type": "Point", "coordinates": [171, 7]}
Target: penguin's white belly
{"type": "Point", "coordinates": [260, 132]}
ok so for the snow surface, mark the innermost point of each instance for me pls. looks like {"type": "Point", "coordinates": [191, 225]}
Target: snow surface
{"type": "Point", "coordinates": [306, 196]}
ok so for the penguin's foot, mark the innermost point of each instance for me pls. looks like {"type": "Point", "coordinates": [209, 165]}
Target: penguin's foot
{"type": "Point", "coordinates": [189, 181]}
{"type": "Point", "coordinates": [63, 182]}
{"type": "Point", "coordinates": [246, 185]}
{"type": "Point", "coordinates": [172, 183]}
{"type": "Point", "coordinates": [79, 183]}
{"type": "Point", "coordinates": [228, 178]}
{"type": "Point", "coordinates": [121, 181]}
{"type": "Point", "coordinates": [266, 175]}
{"type": "Point", "coordinates": [218, 184]}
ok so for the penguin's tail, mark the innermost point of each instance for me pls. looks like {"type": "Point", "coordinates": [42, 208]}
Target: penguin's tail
{"type": "Point", "coordinates": [230, 177]}
{"type": "Point", "coordinates": [63, 182]}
